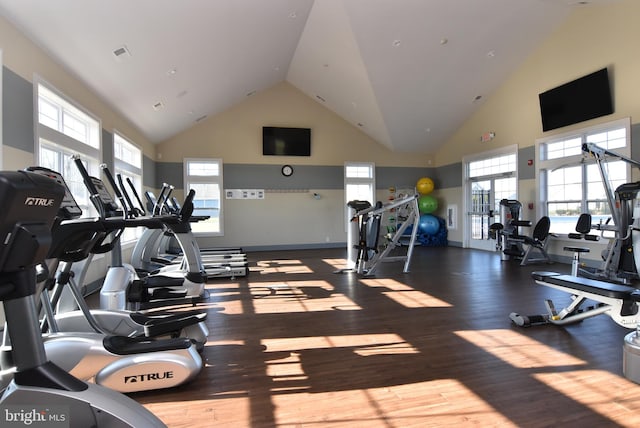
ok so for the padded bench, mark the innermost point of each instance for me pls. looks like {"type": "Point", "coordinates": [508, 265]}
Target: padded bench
{"type": "Point", "coordinates": [607, 289]}
{"type": "Point", "coordinates": [618, 300]}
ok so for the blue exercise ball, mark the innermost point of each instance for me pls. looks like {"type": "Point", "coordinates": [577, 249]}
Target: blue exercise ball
{"type": "Point", "coordinates": [428, 224]}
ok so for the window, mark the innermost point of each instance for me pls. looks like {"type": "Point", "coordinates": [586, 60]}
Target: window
{"type": "Point", "coordinates": [569, 180]}
{"type": "Point", "coordinates": [205, 177]}
{"type": "Point", "coordinates": [493, 166]}
{"type": "Point", "coordinates": [359, 183]}
{"type": "Point", "coordinates": [127, 159]}
{"type": "Point", "coordinates": [63, 130]}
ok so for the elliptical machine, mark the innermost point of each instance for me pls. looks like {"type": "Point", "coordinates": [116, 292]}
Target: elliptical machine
{"type": "Point", "coordinates": [122, 363]}
{"type": "Point", "coordinates": [73, 241]}
{"type": "Point", "coordinates": [39, 387]}
{"type": "Point", "coordinates": [149, 252]}
{"type": "Point", "coordinates": [122, 289]}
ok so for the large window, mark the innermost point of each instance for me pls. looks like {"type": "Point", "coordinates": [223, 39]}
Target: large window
{"type": "Point", "coordinates": [127, 159]}
{"type": "Point", "coordinates": [570, 181]}
{"type": "Point", "coordinates": [205, 177]}
{"type": "Point", "coordinates": [359, 181]}
{"type": "Point", "coordinates": [359, 184]}
{"type": "Point", "coordinates": [64, 129]}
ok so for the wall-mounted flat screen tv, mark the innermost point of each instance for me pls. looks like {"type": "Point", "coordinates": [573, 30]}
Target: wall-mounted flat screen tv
{"type": "Point", "coordinates": [286, 141]}
{"type": "Point", "coordinates": [582, 99]}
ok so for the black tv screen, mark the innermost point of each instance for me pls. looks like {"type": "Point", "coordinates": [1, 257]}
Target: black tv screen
{"type": "Point", "coordinates": [286, 141]}
{"type": "Point", "coordinates": [582, 99]}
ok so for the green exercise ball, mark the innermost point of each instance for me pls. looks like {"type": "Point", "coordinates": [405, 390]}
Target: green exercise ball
{"type": "Point", "coordinates": [427, 204]}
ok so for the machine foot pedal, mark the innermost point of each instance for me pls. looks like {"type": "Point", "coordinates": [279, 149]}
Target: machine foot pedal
{"type": "Point", "coordinates": [527, 320]}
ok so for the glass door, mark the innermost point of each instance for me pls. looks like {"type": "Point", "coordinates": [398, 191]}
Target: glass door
{"type": "Point", "coordinates": [489, 177]}
{"type": "Point", "coordinates": [481, 214]}
{"type": "Point", "coordinates": [485, 196]}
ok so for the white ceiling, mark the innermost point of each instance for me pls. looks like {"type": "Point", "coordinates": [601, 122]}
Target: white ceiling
{"type": "Point", "coordinates": [407, 72]}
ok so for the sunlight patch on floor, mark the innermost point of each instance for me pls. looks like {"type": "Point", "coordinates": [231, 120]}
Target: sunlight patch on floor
{"type": "Point", "coordinates": [282, 266]}
{"type": "Point", "coordinates": [338, 264]}
{"type": "Point", "coordinates": [610, 395]}
{"type": "Point", "coordinates": [227, 298]}
{"type": "Point", "coordinates": [298, 296]}
{"type": "Point", "coordinates": [204, 413]}
{"type": "Point", "coordinates": [224, 342]}
{"type": "Point", "coordinates": [219, 287]}
{"type": "Point", "coordinates": [361, 344]}
{"type": "Point", "coordinates": [405, 295]}
{"type": "Point", "coordinates": [517, 349]}
{"type": "Point", "coordinates": [437, 403]}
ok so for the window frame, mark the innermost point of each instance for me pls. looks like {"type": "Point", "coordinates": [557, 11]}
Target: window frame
{"type": "Point", "coordinates": [207, 179]}
{"type": "Point", "coordinates": [358, 180]}
{"type": "Point", "coordinates": [121, 166]}
{"type": "Point", "coordinates": [582, 160]}
{"type": "Point", "coordinates": [62, 143]}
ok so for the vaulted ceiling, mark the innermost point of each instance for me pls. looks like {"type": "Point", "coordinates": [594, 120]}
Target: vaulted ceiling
{"type": "Point", "coordinates": [406, 72]}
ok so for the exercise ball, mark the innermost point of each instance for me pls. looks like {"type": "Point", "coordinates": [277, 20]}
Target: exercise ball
{"type": "Point", "coordinates": [424, 186]}
{"type": "Point", "coordinates": [427, 204]}
{"type": "Point", "coordinates": [428, 224]}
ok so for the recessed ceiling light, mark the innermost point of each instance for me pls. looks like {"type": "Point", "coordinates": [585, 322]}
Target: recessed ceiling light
{"type": "Point", "coordinates": [172, 72]}
{"type": "Point", "coordinates": [444, 41]}
{"type": "Point", "coordinates": [477, 98]}
{"type": "Point", "coordinates": [491, 54]}
{"type": "Point", "coordinates": [396, 43]}
{"type": "Point", "coordinates": [158, 106]}
{"type": "Point", "coordinates": [121, 53]}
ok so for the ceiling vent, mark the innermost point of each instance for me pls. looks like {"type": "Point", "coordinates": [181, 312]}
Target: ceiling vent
{"type": "Point", "coordinates": [121, 53]}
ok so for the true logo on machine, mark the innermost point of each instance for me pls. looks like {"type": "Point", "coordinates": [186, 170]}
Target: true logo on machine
{"type": "Point", "coordinates": [148, 377]}
{"type": "Point", "coordinates": [39, 202]}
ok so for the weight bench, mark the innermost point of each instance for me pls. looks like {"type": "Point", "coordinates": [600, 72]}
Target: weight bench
{"type": "Point", "coordinates": [618, 301]}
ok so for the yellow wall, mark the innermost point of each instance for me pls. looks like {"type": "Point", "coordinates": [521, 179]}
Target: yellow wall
{"type": "Point", "coordinates": [287, 218]}
{"type": "Point", "coordinates": [26, 59]}
{"type": "Point", "coordinates": [593, 37]}
{"type": "Point", "coordinates": [236, 134]}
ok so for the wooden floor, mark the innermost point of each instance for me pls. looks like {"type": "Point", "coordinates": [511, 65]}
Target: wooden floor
{"type": "Point", "coordinates": [296, 345]}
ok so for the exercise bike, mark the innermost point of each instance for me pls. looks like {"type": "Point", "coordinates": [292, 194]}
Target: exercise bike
{"type": "Point", "coordinates": [39, 387]}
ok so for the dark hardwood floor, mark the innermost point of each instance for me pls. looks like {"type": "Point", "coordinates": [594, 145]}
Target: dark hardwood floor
{"type": "Point", "coordinates": [296, 345]}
